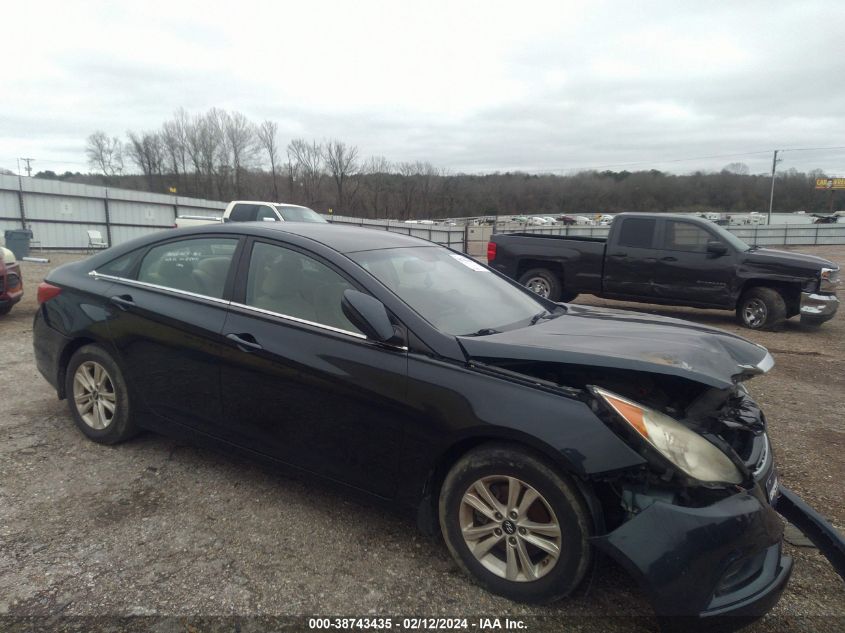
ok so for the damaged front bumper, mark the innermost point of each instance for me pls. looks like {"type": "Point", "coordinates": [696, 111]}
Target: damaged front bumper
{"type": "Point", "coordinates": [818, 308]}
{"type": "Point", "coordinates": [721, 559]}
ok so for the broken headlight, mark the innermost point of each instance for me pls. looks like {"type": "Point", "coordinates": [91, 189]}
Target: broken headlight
{"type": "Point", "coordinates": [829, 281]}
{"type": "Point", "coordinates": [687, 450]}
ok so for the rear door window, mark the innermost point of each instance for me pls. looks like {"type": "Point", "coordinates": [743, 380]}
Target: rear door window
{"type": "Point", "coordinates": [200, 266]}
{"type": "Point", "coordinates": [637, 232]}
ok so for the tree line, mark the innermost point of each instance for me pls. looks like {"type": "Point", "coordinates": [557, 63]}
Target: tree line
{"type": "Point", "coordinates": [223, 155]}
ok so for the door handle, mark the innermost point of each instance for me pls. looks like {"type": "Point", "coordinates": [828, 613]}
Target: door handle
{"type": "Point", "coordinates": [619, 255]}
{"type": "Point", "coordinates": [668, 258]}
{"type": "Point", "coordinates": [245, 342]}
{"type": "Point", "coordinates": [123, 301]}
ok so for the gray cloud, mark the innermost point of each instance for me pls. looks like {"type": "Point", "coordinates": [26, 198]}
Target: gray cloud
{"type": "Point", "coordinates": [486, 87]}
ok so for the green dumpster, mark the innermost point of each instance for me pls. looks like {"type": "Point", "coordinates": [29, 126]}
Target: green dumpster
{"type": "Point", "coordinates": [17, 241]}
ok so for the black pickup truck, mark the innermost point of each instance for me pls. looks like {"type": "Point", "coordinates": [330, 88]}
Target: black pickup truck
{"type": "Point", "coordinates": [673, 260]}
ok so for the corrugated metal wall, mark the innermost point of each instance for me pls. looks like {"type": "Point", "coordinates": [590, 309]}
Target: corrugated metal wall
{"type": "Point", "coordinates": [60, 213]}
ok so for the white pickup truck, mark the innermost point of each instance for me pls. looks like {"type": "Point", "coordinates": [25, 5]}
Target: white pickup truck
{"type": "Point", "coordinates": [253, 211]}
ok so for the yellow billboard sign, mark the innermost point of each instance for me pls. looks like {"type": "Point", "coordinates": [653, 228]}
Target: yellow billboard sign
{"type": "Point", "coordinates": [830, 183]}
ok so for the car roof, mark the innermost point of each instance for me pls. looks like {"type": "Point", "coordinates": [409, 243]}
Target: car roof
{"type": "Point", "coordinates": [342, 238]}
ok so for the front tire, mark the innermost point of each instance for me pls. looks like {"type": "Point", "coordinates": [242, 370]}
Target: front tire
{"type": "Point", "coordinates": [98, 397]}
{"type": "Point", "coordinates": [761, 308]}
{"type": "Point", "coordinates": [514, 524]}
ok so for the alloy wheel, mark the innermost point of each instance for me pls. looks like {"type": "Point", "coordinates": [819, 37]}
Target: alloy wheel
{"type": "Point", "coordinates": [510, 528]}
{"type": "Point", "coordinates": [754, 312]}
{"type": "Point", "coordinates": [94, 395]}
{"type": "Point", "coordinates": [540, 286]}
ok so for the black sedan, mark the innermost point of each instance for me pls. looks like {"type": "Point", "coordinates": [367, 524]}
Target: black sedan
{"type": "Point", "coordinates": [530, 434]}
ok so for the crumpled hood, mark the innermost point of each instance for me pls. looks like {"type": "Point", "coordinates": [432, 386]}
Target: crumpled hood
{"type": "Point", "coordinates": [603, 337]}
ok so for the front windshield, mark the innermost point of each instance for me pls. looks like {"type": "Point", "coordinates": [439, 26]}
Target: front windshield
{"type": "Point", "coordinates": [293, 213]}
{"type": "Point", "coordinates": [454, 293]}
{"type": "Point", "coordinates": [731, 239]}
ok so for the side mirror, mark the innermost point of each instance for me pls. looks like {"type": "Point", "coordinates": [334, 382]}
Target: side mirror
{"type": "Point", "coordinates": [367, 314]}
{"type": "Point", "coordinates": [715, 247]}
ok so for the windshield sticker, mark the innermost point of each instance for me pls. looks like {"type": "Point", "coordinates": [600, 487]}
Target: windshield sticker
{"type": "Point", "coordinates": [469, 263]}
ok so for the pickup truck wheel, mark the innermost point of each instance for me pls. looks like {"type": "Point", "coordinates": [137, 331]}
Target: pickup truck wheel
{"type": "Point", "coordinates": [543, 282]}
{"type": "Point", "coordinates": [761, 308]}
{"type": "Point", "coordinates": [98, 397]}
{"type": "Point", "coordinates": [514, 524]}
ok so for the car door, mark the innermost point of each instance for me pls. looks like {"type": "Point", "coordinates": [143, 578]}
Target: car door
{"type": "Point", "coordinates": [686, 271]}
{"type": "Point", "coordinates": [301, 383]}
{"type": "Point", "coordinates": [631, 258]}
{"type": "Point", "coordinates": [166, 323]}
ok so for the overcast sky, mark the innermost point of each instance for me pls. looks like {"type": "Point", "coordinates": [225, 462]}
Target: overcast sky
{"type": "Point", "coordinates": [470, 86]}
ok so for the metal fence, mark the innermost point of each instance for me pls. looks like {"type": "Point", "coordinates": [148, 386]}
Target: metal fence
{"type": "Point", "coordinates": [451, 236]}
{"type": "Point", "coordinates": [60, 214]}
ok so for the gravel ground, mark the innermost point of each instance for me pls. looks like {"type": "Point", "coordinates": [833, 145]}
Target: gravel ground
{"type": "Point", "coordinates": [158, 528]}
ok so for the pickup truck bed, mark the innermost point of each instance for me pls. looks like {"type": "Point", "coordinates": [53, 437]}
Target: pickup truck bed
{"type": "Point", "coordinates": [672, 260]}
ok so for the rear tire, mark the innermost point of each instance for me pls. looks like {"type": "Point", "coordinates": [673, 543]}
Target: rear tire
{"type": "Point", "coordinates": [98, 397]}
{"type": "Point", "coordinates": [543, 282]}
{"type": "Point", "coordinates": [761, 308]}
{"type": "Point", "coordinates": [535, 549]}
{"type": "Point", "coordinates": [5, 310]}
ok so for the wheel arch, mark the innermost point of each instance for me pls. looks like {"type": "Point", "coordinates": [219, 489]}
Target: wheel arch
{"type": "Point", "coordinates": [64, 359]}
{"type": "Point", "coordinates": [789, 290]}
{"type": "Point", "coordinates": [551, 265]}
{"type": "Point", "coordinates": [428, 509]}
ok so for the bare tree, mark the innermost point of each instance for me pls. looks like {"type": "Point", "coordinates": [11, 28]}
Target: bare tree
{"type": "Point", "coordinates": [307, 165]}
{"type": "Point", "coordinates": [105, 153]}
{"type": "Point", "coordinates": [267, 134]}
{"type": "Point", "coordinates": [737, 168]}
{"type": "Point", "coordinates": [146, 151]}
{"type": "Point", "coordinates": [239, 139]}
{"type": "Point", "coordinates": [408, 187]}
{"type": "Point", "coordinates": [376, 175]}
{"type": "Point", "coordinates": [174, 138]}
{"type": "Point", "coordinates": [342, 162]}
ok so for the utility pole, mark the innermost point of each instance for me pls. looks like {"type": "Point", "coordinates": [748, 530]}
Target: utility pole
{"type": "Point", "coordinates": [28, 166]}
{"type": "Point", "coordinates": [772, 192]}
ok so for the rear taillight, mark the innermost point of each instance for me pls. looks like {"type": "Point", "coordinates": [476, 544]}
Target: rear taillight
{"type": "Point", "coordinates": [491, 251]}
{"type": "Point", "coordinates": [47, 291]}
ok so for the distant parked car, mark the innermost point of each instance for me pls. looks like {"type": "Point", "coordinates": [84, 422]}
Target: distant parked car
{"type": "Point", "coordinates": [567, 220]}
{"type": "Point", "coordinates": [11, 281]}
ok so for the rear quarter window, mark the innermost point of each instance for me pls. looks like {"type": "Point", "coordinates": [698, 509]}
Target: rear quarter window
{"type": "Point", "coordinates": [122, 266]}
